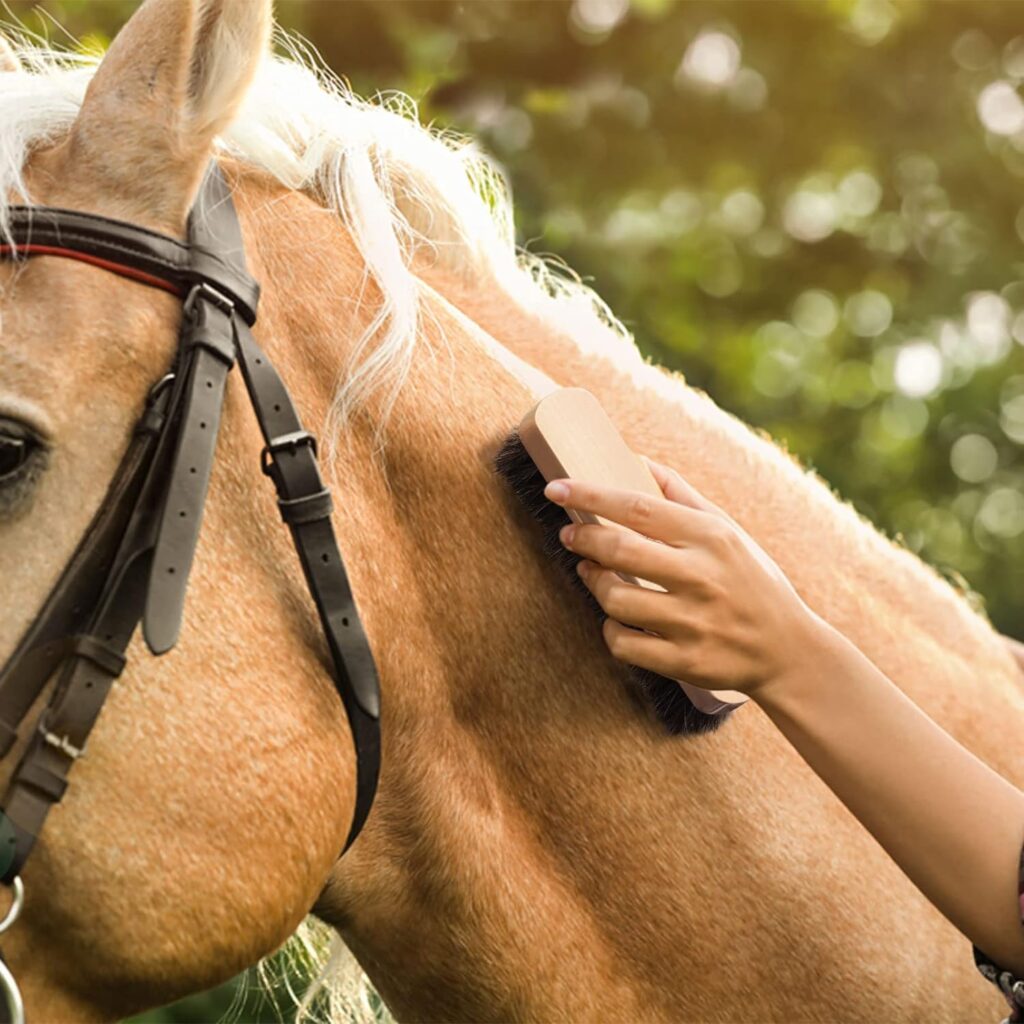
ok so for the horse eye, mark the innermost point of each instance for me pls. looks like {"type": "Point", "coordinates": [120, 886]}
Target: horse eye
{"type": "Point", "coordinates": [20, 449]}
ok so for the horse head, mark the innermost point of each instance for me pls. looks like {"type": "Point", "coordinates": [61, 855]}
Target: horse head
{"type": "Point", "coordinates": [183, 851]}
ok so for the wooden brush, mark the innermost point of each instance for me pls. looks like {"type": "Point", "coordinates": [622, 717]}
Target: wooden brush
{"type": "Point", "coordinates": [568, 434]}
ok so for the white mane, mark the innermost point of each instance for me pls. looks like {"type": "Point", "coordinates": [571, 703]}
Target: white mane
{"type": "Point", "coordinates": [398, 187]}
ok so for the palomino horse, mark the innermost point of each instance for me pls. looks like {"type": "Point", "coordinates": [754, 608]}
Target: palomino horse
{"type": "Point", "coordinates": [540, 847]}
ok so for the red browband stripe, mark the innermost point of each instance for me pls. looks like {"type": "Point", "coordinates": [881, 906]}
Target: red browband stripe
{"type": "Point", "coordinates": [123, 269]}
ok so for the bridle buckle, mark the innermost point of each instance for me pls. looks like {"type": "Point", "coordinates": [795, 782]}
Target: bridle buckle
{"type": "Point", "coordinates": [62, 743]}
{"type": "Point", "coordinates": [205, 290]}
{"type": "Point", "coordinates": [285, 443]}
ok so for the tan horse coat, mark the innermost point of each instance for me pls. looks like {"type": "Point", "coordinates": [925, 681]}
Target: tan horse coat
{"type": "Point", "coordinates": [540, 849]}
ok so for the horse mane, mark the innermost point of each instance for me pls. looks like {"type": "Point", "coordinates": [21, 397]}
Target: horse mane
{"type": "Point", "coordinates": [405, 192]}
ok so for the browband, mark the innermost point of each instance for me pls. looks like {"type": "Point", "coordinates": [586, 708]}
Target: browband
{"type": "Point", "coordinates": [138, 253]}
{"type": "Point", "coordinates": [134, 559]}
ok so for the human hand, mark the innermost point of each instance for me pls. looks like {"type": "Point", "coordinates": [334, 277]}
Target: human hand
{"type": "Point", "coordinates": [728, 619]}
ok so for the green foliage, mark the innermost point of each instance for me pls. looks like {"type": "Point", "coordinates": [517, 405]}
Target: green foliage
{"type": "Point", "coordinates": [812, 209]}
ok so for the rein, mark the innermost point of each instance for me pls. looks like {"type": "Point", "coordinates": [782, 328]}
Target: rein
{"type": "Point", "coordinates": [133, 561]}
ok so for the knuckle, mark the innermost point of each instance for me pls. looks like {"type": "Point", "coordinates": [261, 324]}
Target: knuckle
{"type": "Point", "coordinates": [719, 536]}
{"type": "Point", "coordinates": [585, 491]}
{"type": "Point", "coordinates": [695, 657]}
{"type": "Point", "coordinates": [613, 600]}
{"type": "Point", "coordinates": [621, 543]}
{"type": "Point", "coordinates": [709, 589]}
{"type": "Point", "coordinates": [683, 635]}
{"type": "Point", "coordinates": [583, 538]}
{"type": "Point", "coordinates": [615, 545]}
{"type": "Point", "coordinates": [687, 630]}
{"type": "Point", "coordinates": [683, 664]}
{"type": "Point", "coordinates": [640, 508]}
{"type": "Point", "coordinates": [678, 566]}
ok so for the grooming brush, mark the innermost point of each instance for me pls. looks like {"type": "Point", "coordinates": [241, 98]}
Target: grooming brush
{"type": "Point", "coordinates": [568, 434]}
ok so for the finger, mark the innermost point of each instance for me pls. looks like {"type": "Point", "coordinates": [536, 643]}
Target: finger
{"type": "Point", "coordinates": [652, 516]}
{"type": "Point", "coordinates": [628, 603]}
{"type": "Point", "coordinates": [628, 552]}
{"type": "Point", "coordinates": [666, 657]}
{"type": "Point", "coordinates": [675, 488]}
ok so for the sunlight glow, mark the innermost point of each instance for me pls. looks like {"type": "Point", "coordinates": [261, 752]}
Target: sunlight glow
{"type": "Point", "coordinates": [1000, 109]}
{"type": "Point", "coordinates": [868, 313]}
{"type": "Point", "coordinates": [918, 369]}
{"type": "Point", "coordinates": [988, 324]}
{"type": "Point", "coordinates": [711, 60]}
{"type": "Point", "coordinates": [1002, 512]}
{"type": "Point", "coordinates": [599, 16]}
{"type": "Point", "coordinates": [810, 216]}
{"type": "Point", "coordinates": [973, 458]}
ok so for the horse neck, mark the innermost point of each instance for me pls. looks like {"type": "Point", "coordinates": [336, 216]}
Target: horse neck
{"type": "Point", "coordinates": [537, 840]}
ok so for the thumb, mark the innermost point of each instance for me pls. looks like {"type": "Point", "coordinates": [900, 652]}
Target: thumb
{"type": "Point", "coordinates": [675, 488]}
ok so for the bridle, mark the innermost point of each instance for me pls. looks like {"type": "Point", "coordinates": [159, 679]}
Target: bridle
{"type": "Point", "coordinates": [134, 559]}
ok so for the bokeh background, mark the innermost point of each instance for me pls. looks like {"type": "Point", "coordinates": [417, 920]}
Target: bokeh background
{"type": "Point", "coordinates": [813, 208]}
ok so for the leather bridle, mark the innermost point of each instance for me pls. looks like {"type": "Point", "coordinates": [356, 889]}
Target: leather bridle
{"type": "Point", "coordinates": [134, 559]}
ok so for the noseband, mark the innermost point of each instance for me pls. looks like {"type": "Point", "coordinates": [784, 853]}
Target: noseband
{"type": "Point", "coordinates": [134, 559]}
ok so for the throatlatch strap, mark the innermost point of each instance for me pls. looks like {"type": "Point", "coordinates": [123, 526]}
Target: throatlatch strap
{"type": "Point", "coordinates": [289, 459]}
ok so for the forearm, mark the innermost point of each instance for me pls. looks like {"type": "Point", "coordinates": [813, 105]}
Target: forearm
{"type": "Point", "coordinates": [951, 823]}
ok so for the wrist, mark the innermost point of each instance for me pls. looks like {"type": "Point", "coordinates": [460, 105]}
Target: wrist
{"type": "Point", "coordinates": [815, 654]}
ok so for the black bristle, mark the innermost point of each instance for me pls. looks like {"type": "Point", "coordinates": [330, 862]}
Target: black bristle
{"type": "Point", "coordinates": [671, 705]}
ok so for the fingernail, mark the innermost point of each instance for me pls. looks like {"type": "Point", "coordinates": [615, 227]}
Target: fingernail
{"type": "Point", "coordinates": [556, 491]}
{"type": "Point", "coordinates": [565, 535]}
{"type": "Point", "coordinates": [582, 568]}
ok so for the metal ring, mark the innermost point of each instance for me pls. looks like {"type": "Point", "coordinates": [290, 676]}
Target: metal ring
{"type": "Point", "coordinates": [16, 904]}
{"type": "Point", "coordinates": [162, 384]}
{"type": "Point", "coordinates": [12, 995]}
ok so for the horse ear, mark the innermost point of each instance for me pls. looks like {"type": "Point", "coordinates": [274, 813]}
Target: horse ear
{"type": "Point", "coordinates": [8, 58]}
{"type": "Point", "coordinates": [172, 79]}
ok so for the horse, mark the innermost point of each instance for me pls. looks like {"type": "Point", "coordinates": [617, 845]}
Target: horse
{"type": "Point", "coordinates": [540, 848]}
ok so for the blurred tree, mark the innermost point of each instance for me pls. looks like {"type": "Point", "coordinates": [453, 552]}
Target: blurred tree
{"type": "Point", "coordinates": [820, 202]}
